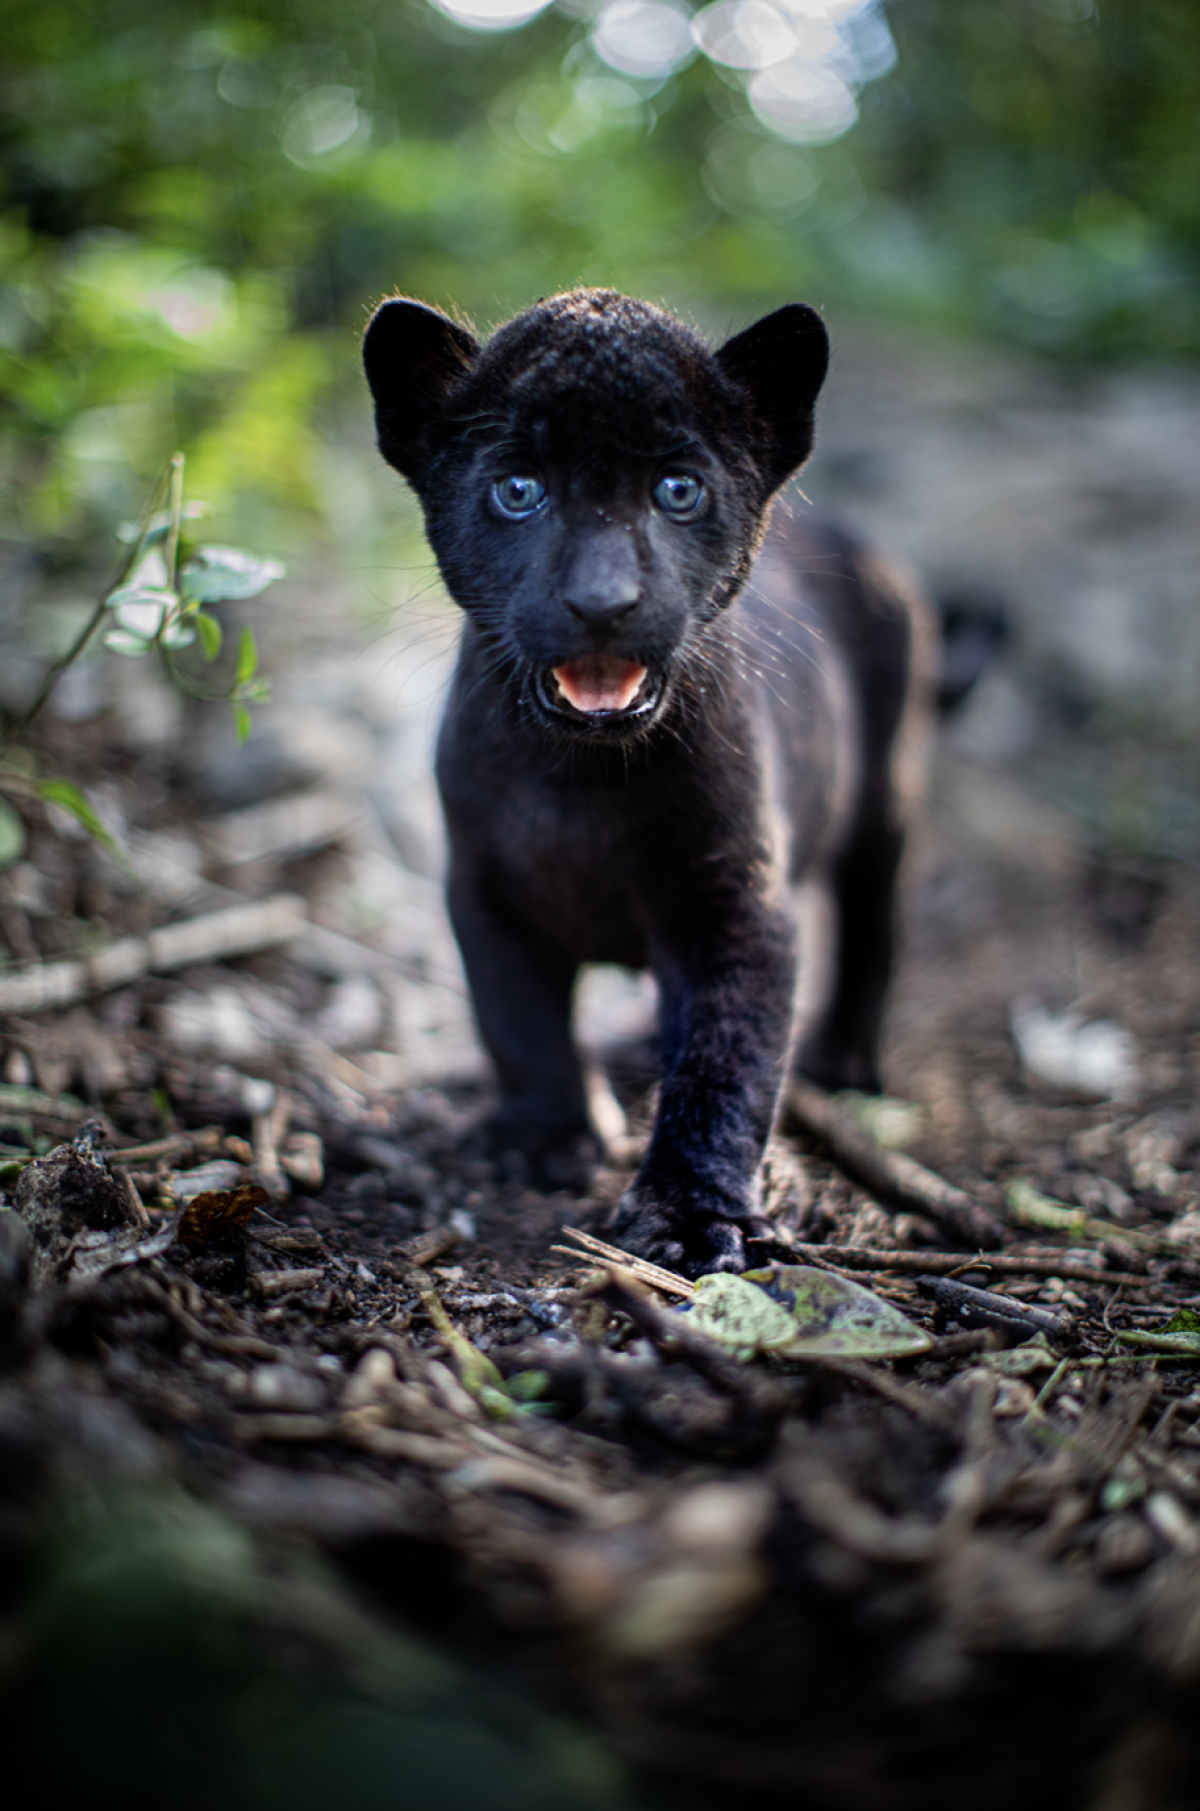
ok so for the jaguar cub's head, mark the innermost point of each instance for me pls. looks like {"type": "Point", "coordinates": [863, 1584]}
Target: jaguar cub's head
{"type": "Point", "coordinates": [595, 482]}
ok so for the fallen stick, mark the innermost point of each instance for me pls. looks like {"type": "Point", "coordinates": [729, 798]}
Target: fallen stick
{"type": "Point", "coordinates": [976, 1308]}
{"type": "Point", "coordinates": [233, 931]}
{"type": "Point", "coordinates": [286, 1282]}
{"type": "Point", "coordinates": [425, 1247]}
{"type": "Point", "coordinates": [890, 1173]}
{"type": "Point", "coordinates": [944, 1263]}
{"type": "Point", "coordinates": [178, 1144]}
{"type": "Point", "coordinates": [269, 1131]}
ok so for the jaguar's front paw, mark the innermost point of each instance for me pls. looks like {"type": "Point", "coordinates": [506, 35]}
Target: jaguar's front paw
{"type": "Point", "coordinates": [690, 1240]}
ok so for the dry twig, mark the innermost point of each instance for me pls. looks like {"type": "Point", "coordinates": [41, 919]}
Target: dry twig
{"type": "Point", "coordinates": [234, 931]}
{"type": "Point", "coordinates": [892, 1174]}
{"type": "Point", "coordinates": [941, 1263]}
{"type": "Point", "coordinates": [665, 1280]}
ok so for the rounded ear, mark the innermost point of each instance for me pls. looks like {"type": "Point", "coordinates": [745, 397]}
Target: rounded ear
{"type": "Point", "coordinates": [781, 363]}
{"type": "Point", "coordinates": [412, 355]}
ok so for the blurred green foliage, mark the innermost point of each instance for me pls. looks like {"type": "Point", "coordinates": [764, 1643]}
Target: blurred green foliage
{"type": "Point", "coordinates": [200, 202]}
{"type": "Point", "coordinates": [1045, 159]}
{"type": "Point", "coordinates": [156, 1657]}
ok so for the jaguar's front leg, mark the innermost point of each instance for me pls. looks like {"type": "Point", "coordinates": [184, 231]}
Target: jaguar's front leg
{"type": "Point", "coordinates": [728, 1001]}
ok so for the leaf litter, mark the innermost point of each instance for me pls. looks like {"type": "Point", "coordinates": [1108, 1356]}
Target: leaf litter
{"type": "Point", "coordinates": [822, 1531]}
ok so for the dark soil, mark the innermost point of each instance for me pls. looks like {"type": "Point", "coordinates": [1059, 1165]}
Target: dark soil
{"type": "Point", "coordinates": [900, 1585]}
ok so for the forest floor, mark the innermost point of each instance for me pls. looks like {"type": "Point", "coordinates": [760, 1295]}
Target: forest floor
{"type": "Point", "coordinates": [967, 1573]}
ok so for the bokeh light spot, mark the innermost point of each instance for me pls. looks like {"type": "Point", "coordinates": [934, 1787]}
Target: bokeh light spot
{"type": "Point", "coordinates": [491, 15]}
{"type": "Point", "coordinates": [650, 38]}
{"type": "Point", "coordinates": [806, 102]}
{"type": "Point", "coordinates": [320, 121]}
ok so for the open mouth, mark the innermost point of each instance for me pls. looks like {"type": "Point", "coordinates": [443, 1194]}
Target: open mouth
{"type": "Point", "coordinates": [600, 687]}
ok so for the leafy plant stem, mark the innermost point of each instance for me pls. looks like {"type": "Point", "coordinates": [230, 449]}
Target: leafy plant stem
{"type": "Point", "coordinates": [174, 482]}
{"type": "Point", "coordinates": [171, 482]}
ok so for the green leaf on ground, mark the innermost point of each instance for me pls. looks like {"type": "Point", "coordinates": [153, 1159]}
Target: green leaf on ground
{"type": "Point", "coordinates": [1177, 1338]}
{"type": "Point", "coordinates": [1027, 1206]}
{"type": "Point", "coordinates": [740, 1316]}
{"type": "Point", "coordinates": [476, 1372]}
{"type": "Point", "coordinates": [835, 1316]}
{"type": "Point", "coordinates": [1184, 1344]}
{"type": "Point", "coordinates": [798, 1311]}
{"type": "Point", "coordinates": [1031, 1355]}
{"type": "Point", "coordinates": [893, 1124]}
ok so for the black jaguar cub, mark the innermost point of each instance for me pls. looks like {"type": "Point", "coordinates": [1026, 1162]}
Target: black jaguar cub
{"type": "Point", "coordinates": [662, 723]}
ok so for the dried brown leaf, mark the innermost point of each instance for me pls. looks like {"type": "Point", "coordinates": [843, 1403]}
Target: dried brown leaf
{"type": "Point", "coordinates": [219, 1212]}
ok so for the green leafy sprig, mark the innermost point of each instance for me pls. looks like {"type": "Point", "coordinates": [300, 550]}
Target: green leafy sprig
{"type": "Point", "coordinates": [158, 602]}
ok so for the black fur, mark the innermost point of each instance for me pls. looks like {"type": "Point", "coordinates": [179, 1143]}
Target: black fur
{"type": "Point", "coordinates": [763, 747]}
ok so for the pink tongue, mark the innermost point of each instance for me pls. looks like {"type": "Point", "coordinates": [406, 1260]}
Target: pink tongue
{"type": "Point", "coordinates": [600, 682]}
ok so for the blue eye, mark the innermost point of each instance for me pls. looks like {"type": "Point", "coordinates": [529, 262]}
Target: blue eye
{"type": "Point", "coordinates": [517, 497]}
{"type": "Point", "coordinates": [678, 494]}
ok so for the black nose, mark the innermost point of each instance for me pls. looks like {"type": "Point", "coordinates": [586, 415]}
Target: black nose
{"type": "Point", "coordinates": [602, 612]}
{"type": "Point", "coordinates": [603, 585]}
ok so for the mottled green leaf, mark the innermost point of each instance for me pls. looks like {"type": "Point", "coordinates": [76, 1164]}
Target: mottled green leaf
{"type": "Point", "coordinates": [801, 1312]}
{"type": "Point", "coordinates": [834, 1315]}
{"type": "Point", "coordinates": [740, 1316]}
